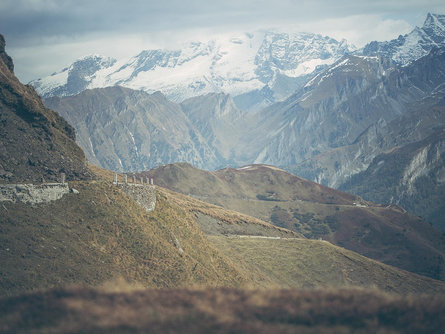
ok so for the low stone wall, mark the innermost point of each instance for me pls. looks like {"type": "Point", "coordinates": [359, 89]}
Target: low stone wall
{"type": "Point", "coordinates": [143, 194]}
{"type": "Point", "coordinates": [33, 193]}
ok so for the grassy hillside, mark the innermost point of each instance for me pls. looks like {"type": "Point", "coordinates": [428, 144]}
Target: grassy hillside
{"type": "Point", "coordinates": [221, 311]}
{"type": "Point", "coordinates": [227, 221]}
{"type": "Point", "coordinates": [101, 234]}
{"type": "Point", "coordinates": [387, 234]}
{"type": "Point", "coordinates": [303, 263]}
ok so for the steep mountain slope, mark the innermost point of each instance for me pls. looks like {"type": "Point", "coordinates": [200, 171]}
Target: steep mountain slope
{"type": "Point", "coordinates": [336, 107]}
{"type": "Point", "coordinates": [101, 235]}
{"type": "Point", "coordinates": [35, 142]}
{"type": "Point", "coordinates": [330, 111]}
{"type": "Point", "coordinates": [415, 93]}
{"type": "Point", "coordinates": [234, 65]}
{"type": "Point", "coordinates": [420, 123]}
{"type": "Point", "coordinates": [7, 60]}
{"type": "Point", "coordinates": [414, 45]}
{"type": "Point", "coordinates": [412, 175]}
{"type": "Point", "coordinates": [218, 120]}
{"type": "Point", "coordinates": [387, 234]}
{"type": "Point", "coordinates": [124, 129]}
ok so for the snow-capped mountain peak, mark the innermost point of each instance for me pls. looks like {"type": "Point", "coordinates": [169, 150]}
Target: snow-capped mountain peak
{"type": "Point", "coordinates": [410, 47]}
{"type": "Point", "coordinates": [75, 78]}
{"type": "Point", "coordinates": [434, 26]}
{"type": "Point", "coordinates": [234, 65]}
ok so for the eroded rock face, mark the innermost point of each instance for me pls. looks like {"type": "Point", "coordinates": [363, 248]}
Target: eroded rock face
{"type": "Point", "coordinates": [127, 130]}
{"type": "Point", "coordinates": [33, 194]}
{"type": "Point", "coordinates": [412, 176]}
{"type": "Point", "coordinates": [4, 56]}
{"type": "Point", "coordinates": [36, 144]}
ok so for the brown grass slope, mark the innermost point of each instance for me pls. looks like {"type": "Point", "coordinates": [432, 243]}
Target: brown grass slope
{"type": "Point", "coordinates": [276, 257]}
{"type": "Point", "coordinates": [101, 235]}
{"type": "Point", "coordinates": [309, 264]}
{"type": "Point", "coordinates": [35, 142]}
{"type": "Point", "coordinates": [387, 234]}
{"type": "Point", "coordinates": [221, 311]}
{"type": "Point", "coordinates": [227, 221]}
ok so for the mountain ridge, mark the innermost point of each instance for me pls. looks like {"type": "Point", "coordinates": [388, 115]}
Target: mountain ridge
{"type": "Point", "coordinates": [233, 65]}
{"type": "Point", "coordinates": [413, 45]}
{"type": "Point", "coordinates": [385, 233]}
{"type": "Point", "coordinates": [124, 129]}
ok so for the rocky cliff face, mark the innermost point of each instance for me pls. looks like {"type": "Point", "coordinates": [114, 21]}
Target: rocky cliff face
{"type": "Point", "coordinates": [409, 138]}
{"type": "Point", "coordinates": [35, 143]}
{"type": "Point", "coordinates": [126, 130]}
{"type": "Point", "coordinates": [405, 100]}
{"type": "Point", "coordinates": [414, 45]}
{"type": "Point", "coordinates": [331, 111]}
{"type": "Point", "coordinates": [219, 121]}
{"type": "Point", "coordinates": [4, 56]}
{"type": "Point", "coordinates": [412, 176]}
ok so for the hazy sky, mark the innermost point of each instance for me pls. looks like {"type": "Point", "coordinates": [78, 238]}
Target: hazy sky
{"type": "Point", "coordinates": [43, 36]}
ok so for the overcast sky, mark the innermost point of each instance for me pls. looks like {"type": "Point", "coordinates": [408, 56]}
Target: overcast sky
{"type": "Point", "coordinates": [43, 36]}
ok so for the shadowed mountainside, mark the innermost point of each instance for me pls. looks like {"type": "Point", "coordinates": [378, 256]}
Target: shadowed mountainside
{"type": "Point", "coordinates": [124, 129]}
{"type": "Point", "coordinates": [35, 142]}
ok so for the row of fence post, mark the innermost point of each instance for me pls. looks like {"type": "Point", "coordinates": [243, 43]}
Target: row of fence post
{"type": "Point", "coordinates": [142, 180]}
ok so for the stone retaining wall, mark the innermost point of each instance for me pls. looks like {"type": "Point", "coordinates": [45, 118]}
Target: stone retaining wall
{"type": "Point", "coordinates": [33, 193]}
{"type": "Point", "coordinates": [143, 194]}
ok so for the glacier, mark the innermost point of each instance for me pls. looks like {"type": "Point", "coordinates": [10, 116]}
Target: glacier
{"type": "Point", "coordinates": [233, 65]}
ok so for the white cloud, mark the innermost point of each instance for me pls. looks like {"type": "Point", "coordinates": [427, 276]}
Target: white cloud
{"type": "Point", "coordinates": [359, 29]}
{"type": "Point", "coordinates": [45, 35]}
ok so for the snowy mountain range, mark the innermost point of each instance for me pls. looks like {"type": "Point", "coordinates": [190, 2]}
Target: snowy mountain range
{"type": "Point", "coordinates": [333, 127]}
{"type": "Point", "coordinates": [414, 45]}
{"type": "Point", "coordinates": [235, 65]}
{"type": "Point", "coordinates": [257, 69]}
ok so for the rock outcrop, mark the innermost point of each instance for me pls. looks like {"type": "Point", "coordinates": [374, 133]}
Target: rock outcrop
{"type": "Point", "coordinates": [33, 194]}
{"type": "Point", "coordinates": [36, 144]}
{"type": "Point", "coordinates": [4, 56]}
